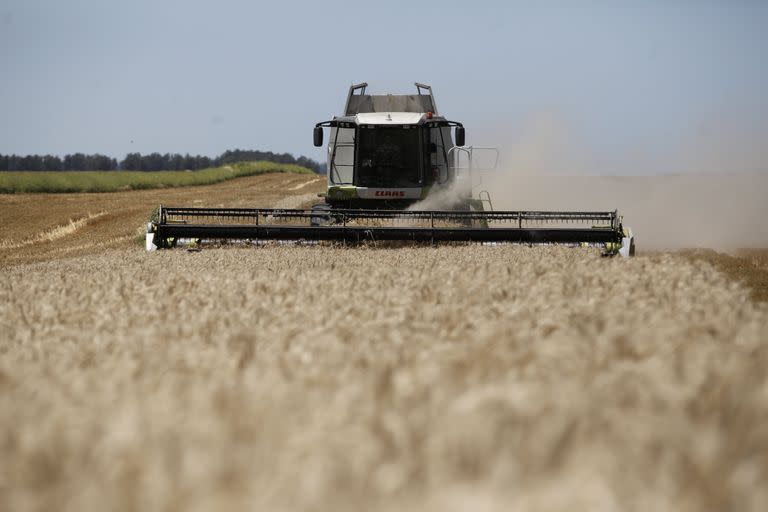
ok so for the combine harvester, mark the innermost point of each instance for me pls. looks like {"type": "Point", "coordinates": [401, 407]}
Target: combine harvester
{"type": "Point", "coordinates": [395, 174]}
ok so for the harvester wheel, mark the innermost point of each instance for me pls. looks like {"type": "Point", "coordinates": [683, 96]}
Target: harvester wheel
{"type": "Point", "coordinates": [321, 215]}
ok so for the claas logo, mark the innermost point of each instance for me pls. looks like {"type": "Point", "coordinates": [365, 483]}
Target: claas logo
{"type": "Point", "coordinates": [390, 193]}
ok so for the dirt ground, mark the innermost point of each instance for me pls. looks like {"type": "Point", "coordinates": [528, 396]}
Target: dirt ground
{"type": "Point", "coordinates": [330, 378]}
{"type": "Point", "coordinates": [39, 227]}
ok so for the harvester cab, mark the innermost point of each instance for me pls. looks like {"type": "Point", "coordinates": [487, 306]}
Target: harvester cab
{"type": "Point", "coordinates": [397, 171]}
{"type": "Point", "coordinates": [392, 151]}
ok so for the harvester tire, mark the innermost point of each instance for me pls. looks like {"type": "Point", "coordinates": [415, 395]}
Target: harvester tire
{"type": "Point", "coordinates": [321, 215]}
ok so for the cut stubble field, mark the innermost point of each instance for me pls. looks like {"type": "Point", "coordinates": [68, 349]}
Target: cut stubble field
{"type": "Point", "coordinates": [39, 227]}
{"type": "Point", "coordinates": [364, 378]}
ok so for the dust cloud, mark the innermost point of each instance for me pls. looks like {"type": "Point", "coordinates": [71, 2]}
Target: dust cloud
{"type": "Point", "coordinates": [665, 212]}
{"type": "Point", "coordinates": [438, 199]}
{"type": "Point", "coordinates": [710, 193]}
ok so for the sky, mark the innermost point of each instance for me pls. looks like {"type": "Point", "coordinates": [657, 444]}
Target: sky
{"type": "Point", "coordinates": [601, 87]}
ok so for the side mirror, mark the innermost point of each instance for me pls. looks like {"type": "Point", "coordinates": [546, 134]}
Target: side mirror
{"type": "Point", "coordinates": [460, 136]}
{"type": "Point", "coordinates": [317, 136]}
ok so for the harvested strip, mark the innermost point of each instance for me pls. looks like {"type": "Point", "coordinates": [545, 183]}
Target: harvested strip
{"type": "Point", "coordinates": [748, 266]}
{"type": "Point", "coordinates": [296, 201]}
{"type": "Point", "coordinates": [127, 213]}
{"type": "Point", "coordinates": [53, 234]}
{"type": "Point", "coordinates": [306, 183]}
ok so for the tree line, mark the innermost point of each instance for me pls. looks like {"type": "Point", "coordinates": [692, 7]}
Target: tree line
{"type": "Point", "coordinates": [149, 162]}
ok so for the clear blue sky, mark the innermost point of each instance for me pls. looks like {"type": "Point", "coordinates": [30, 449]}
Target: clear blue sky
{"type": "Point", "coordinates": [625, 87]}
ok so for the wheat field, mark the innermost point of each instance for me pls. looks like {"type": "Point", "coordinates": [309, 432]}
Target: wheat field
{"type": "Point", "coordinates": [423, 378]}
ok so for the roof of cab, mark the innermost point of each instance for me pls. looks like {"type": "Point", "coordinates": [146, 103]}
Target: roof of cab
{"type": "Point", "coordinates": [385, 118]}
